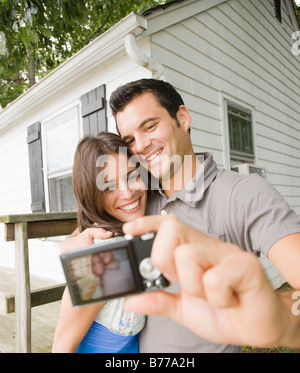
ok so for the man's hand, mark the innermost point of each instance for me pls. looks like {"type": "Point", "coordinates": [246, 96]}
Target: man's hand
{"type": "Point", "coordinates": [83, 239]}
{"type": "Point", "coordinates": [225, 295]}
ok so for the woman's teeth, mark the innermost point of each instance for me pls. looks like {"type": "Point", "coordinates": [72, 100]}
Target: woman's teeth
{"type": "Point", "coordinates": [131, 206]}
{"type": "Point", "coordinates": [152, 156]}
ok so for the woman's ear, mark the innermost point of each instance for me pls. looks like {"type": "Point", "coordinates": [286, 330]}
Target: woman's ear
{"type": "Point", "coordinates": [183, 117]}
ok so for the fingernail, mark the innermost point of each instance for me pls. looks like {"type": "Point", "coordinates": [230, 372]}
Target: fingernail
{"type": "Point", "coordinates": [171, 278]}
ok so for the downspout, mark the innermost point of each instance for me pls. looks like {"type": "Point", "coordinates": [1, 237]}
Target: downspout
{"type": "Point", "coordinates": [142, 59]}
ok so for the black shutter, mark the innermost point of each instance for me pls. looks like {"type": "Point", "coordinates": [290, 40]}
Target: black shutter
{"type": "Point", "coordinates": [93, 111]}
{"type": "Point", "coordinates": [277, 9]}
{"type": "Point", "coordinates": [34, 142]}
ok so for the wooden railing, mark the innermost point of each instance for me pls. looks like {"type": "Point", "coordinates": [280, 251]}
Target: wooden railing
{"type": "Point", "coordinates": [20, 228]}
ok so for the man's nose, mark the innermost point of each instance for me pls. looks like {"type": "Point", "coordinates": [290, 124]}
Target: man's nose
{"type": "Point", "coordinates": [141, 144]}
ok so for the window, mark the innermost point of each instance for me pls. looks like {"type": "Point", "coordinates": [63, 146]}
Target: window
{"type": "Point", "coordinates": [240, 135]}
{"type": "Point", "coordinates": [51, 147]}
{"type": "Point", "coordinates": [277, 10]}
{"type": "Point", "coordinates": [60, 138]}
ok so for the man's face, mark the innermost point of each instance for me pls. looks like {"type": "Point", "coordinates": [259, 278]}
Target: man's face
{"type": "Point", "coordinates": [150, 131]}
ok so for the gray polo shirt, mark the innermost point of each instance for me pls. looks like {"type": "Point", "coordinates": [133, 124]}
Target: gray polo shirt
{"type": "Point", "coordinates": [241, 209]}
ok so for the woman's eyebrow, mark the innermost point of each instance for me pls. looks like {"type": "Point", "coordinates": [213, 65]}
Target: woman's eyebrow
{"type": "Point", "coordinates": [114, 181]}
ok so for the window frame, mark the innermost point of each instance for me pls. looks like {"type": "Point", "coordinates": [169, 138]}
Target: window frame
{"type": "Point", "coordinates": [242, 156]}
{"type": "Point", "coordinates": [63, 171]}
{"type": "Point", "coordinates": [226, 101]}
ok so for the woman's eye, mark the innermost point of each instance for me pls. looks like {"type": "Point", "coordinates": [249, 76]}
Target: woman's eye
{"type": "Point", "coordinates": [129, 142]}
{"type": "Point", "coordinates": [107, 188]}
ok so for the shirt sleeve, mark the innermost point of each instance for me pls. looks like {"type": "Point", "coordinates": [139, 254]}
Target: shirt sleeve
{"type": "Point", "coordinates": [259, 215]}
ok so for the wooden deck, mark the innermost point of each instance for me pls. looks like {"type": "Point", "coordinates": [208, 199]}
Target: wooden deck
{"type": "Point", "coordinates": [43, 322]}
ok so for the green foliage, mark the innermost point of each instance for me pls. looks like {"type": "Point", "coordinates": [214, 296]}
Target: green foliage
{"type": "Point", "coordinates": [297, 10]}
{"type": "Point", "coordinates": [37, 35]}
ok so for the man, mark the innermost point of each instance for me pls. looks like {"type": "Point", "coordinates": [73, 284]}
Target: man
{"type": "Point", "coordinates": [243, 210]}
{"type": "Point", "coordinates": [220, 281]}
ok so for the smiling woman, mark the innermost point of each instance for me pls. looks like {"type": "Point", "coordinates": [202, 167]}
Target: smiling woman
{"type": "Point", "coordinates": [118, 196]}
{"type": "Point", "coordinates": [107, 184]}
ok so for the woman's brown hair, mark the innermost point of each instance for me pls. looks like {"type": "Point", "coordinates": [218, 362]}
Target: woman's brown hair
{"type": "Point", "coordinates": [89, 197]}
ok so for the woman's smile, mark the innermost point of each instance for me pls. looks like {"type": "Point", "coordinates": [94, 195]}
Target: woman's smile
{"type": "Point", "coordinates": [132, 206]}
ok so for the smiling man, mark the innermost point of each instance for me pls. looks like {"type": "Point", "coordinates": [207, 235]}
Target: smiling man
{"type": "Point", "coordinates": [158, 131]}
{"type": "Point", "coordinates": [245, 210]}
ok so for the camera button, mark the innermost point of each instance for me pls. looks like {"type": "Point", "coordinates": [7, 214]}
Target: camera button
{"type": "Point", "coordinates": [148, 284]}
{"type": "Point", "coordinates": [158, 282]}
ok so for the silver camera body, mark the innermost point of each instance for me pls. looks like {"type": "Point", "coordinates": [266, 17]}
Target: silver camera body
{"type": "Point", "coordinates": [111, 269]}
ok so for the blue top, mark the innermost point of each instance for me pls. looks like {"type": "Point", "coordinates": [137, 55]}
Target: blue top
{"type": "Point", "coordinates": [114, 330]}
{"type": "Point", "coordinates": [99, 339]}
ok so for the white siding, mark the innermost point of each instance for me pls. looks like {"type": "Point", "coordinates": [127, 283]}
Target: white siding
{"type": "Point", "coordinates": [239, 50]}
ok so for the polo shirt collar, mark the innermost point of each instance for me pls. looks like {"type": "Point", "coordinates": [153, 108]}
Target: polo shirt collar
{"type": "Point", "coordinates": [194, 191]}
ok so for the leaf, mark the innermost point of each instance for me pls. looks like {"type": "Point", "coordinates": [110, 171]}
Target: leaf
{"type": "Point", "coordinates": [46, 32]}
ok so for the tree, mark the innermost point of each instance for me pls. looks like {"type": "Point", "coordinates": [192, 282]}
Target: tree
{"type": "Point", "coordinates": [297, 10]}
{"type": "Point", "coordinates": [37, 35]}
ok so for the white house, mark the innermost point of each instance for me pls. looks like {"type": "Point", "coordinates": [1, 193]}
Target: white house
{"type": "Point", "coordinates": [231, 61]}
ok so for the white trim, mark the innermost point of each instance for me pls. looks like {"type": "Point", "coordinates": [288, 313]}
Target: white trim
{"type": "Point", "coordinates": [177, 12]}
{"type": "Point", "coordinates": [68, 169]}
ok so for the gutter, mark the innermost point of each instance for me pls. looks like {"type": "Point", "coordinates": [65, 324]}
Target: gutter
{"type": "Point", "coordinates": [142, 59]}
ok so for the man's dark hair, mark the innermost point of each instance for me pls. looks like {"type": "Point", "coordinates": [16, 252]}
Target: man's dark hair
{"type": "Point", "coordinates": [164, 92]}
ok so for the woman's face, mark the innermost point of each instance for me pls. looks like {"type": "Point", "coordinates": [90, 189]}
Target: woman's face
{"type": "Point", "coordinates": [125, 195]}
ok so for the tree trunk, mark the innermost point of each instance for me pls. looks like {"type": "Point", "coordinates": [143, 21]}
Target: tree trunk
{"type": "Point", "coordinates": [31, 68]}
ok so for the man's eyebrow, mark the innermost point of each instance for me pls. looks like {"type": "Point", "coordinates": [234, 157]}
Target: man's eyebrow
{"type": "Point", "coordinates": [141, 125]}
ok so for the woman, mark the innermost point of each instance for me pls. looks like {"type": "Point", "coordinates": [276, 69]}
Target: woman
{"type": "Point", "coordinates": [109, 191]}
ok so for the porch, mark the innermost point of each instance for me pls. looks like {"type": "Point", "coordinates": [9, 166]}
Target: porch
{"type": "Point", "coordinates": [23, 295]}
{"type": "Point", "coordinates": [43, 318]}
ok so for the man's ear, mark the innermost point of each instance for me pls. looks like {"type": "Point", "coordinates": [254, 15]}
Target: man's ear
{"type": "Point", "coordinates": [183, 117]}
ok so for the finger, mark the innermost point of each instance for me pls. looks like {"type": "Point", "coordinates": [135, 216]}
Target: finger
{"type": "Point", "coordinates": [100, 233]}
{"type": "Point", "coordinates": [190, 269]}
{"type": "Point", "coordinates": [238, 274]}
{"type": "Point", "coordinates": [156, 303]}
{"type": "Point", "coordinates": [85, 238]}
{"type": "Point", "coordinates": [193, 260]}
{"type": "Point", "coordinates": [167, 239]}
{"type": "Point", "coordinates": [143, 225]}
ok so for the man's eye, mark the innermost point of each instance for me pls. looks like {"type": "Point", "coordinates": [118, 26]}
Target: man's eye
{"type": "Point", "coordinates": [151, 126]}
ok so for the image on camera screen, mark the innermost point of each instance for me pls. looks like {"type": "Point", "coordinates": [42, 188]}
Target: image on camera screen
{"type": "Point", "coordinates": [106, 274]}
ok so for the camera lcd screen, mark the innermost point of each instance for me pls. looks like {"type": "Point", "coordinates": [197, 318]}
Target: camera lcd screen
{"type": "Point", "coordinates": [100, 275]}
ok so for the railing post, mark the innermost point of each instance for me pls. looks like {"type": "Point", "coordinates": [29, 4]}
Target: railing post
{"type": "Point", "coordinates": [22, 296]}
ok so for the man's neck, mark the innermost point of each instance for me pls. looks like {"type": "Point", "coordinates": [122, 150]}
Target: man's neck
{"type": "Point", "coordinates": [183, 175]}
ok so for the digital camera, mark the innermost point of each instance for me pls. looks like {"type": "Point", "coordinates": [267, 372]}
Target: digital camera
{"type": "Point", "coordinates": [111, 268]}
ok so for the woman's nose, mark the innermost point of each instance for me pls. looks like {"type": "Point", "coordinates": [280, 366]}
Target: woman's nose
{"type": "Point", "coordinates": [125, 191]}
